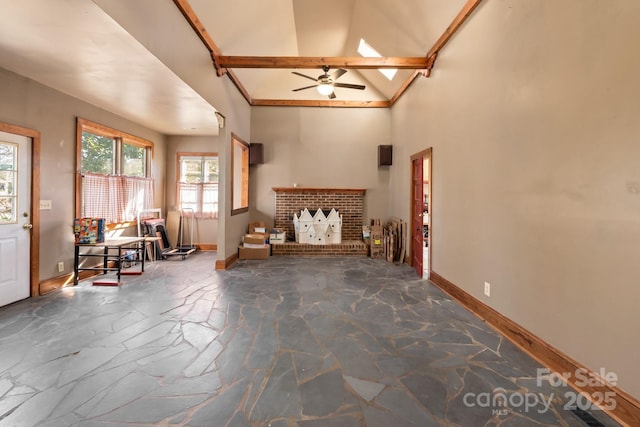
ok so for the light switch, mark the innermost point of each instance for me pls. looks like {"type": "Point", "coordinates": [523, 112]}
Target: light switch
{"type": "Point", "coordinates": [45, 205]}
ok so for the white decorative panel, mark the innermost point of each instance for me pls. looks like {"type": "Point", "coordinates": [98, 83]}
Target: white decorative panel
{"type": "Point", "coordinates": [318, 229]}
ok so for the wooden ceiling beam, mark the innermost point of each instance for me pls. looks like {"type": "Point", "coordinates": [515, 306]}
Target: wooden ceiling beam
{"type": "Point", "coordinates": [354, 62]}
{"type": "Point", "coordinates": [405, 86]}
{"type": "Point", "coordinates": [455, 25]}
{"type": "Point", "coordinates": [190, 15]}
{"type": "Point", "coordinates": [432, 55]}
{"type": "Point", "coordinates": [423, 66]}
{"type": "Point", "coordinates": [234, 79]}
{"type": "Point", "coordinates": [327, 103]}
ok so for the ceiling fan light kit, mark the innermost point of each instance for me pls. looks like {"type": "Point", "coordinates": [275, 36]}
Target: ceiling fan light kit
{"type": "Point", "coordinates": [325, 88]}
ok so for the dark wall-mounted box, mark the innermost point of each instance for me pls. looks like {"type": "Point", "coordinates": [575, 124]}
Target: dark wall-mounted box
{"type": "Point", "coordinates": [385, 155]}
{"type": "Point", "coordinates": [255, 154]}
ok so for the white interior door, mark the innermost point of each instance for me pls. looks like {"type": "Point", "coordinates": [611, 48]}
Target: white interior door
{"type": "Point", "coordinates": [15, 217]}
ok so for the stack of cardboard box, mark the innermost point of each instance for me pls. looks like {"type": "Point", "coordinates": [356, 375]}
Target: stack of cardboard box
{"type": "Point", "coordinates": [255, 243]}
{"type": "Point", "coordinates": [376, 239]}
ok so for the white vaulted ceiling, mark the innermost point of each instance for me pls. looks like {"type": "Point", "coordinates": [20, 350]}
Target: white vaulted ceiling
{"type": "Point", "coordinates": [330, 28]}
{"type": "Point", "coordinates": [115, 55]}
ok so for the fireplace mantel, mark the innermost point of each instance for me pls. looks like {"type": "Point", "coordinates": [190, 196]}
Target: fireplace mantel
{"type": "Point", "coordinates": [319, 190]}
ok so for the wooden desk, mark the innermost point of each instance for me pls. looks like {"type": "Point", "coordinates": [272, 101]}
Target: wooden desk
{"type": "Point", "coordinates": [112, 251]}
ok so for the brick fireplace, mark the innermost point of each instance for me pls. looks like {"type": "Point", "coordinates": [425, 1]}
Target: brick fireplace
{"type": "Point", "coordinates": [348, 201]}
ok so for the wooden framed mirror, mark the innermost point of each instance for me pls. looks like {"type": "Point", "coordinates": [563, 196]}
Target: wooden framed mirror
{"type": "Point", "coordinates": [239, 175]}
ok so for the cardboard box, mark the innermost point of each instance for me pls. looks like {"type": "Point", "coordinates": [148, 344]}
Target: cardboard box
{"type": "Point", "coordinates": [376, 230]}
{"type": "Point", "coordinates": [258, 227]}
{"type": "Point", "coordinates": [254, 253]}
{"type": "Point", "coordinates": [377, 247]}
{"type": "Point", "coordinates": [255, 239]}
{"type": "Point", "coordinates": [376, 239]}
{"type": "Point", "coordinates": [253, 245]}
{"type": "Point", "coordinates": [277, 236]}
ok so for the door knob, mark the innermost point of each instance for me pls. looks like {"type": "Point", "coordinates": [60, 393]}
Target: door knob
{"type": "Point", "coordinates": [27, 226]}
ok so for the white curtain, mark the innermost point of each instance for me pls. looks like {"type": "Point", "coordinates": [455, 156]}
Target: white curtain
{"type": "Point", "coordinates": [115, 198]}
{"type": "Point", "coordinates": [201, 197]}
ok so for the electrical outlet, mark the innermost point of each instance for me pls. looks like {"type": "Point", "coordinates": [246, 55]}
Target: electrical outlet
{"type": "Point", "coordinates": [60, 266]}
{"type": "Point", "coordinates": [487, 289]}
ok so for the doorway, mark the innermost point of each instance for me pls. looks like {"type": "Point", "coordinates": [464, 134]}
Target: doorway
{"type": "Point", "coordinates": [19, 220]}
{"type": "Point", "coordinates": [421, 230]}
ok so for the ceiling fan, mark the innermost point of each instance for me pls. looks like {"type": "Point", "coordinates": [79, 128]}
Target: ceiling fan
{"type": "Point", "coordinates": [327, 82]}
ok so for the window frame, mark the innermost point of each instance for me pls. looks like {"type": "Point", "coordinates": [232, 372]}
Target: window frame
{"type": "Point", "coordinates": [203, 156]}
{"type": "Point", "coordinates": [120, 138]}
{"type": "Point", "coordinates": [239, 175]}
{"type": "Point", "coordinates": [14, 184]}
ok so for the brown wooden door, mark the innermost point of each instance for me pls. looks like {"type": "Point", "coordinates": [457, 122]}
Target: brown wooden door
{"type": "Point", "coordinates": [417, 204]}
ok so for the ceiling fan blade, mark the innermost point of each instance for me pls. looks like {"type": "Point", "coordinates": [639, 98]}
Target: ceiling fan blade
{"type": "Point", "coordinates": [349, 86]}
{"type": "Point", "coordinates": [305, 76]}
{"type": "Point", "coordinates": [332, 95]}
{"type": "Point", "coordinates": [303, 88]}
{"type": "Point", "coordinates": [338, 73]}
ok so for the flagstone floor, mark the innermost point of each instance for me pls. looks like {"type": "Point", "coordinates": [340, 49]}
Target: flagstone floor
{"type": "Point", "coordinates": [284, 342]}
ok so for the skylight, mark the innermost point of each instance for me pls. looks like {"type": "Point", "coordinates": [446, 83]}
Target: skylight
{"type": "Point", "coordinates": [367, 51]}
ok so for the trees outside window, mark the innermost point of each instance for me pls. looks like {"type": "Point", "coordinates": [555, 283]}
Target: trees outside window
{"type": "Point", "coordinates": [197, 184]}
{"type": "Point", "coordinates": [113, 173]}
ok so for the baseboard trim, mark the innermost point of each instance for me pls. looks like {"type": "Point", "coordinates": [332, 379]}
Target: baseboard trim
{"type": "Point", "coordinates": [226, 263]}
{"type": "Point", "coordinates": [58, 282]}
{"type": "Point", "coordinates": [627, 410]}
{"type": "Point", "coordinates": [54, 283]}
{"type": "Point", "coordinates": [205, 247]}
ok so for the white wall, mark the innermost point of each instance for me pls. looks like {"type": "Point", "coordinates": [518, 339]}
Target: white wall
{"type": "Point", "coordinates": [532, 112]}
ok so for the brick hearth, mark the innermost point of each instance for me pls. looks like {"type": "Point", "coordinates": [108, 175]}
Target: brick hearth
{"type": "Point", "coordinates": [350, 204]}
{"type": "Point", "coordinates": [346, 248]}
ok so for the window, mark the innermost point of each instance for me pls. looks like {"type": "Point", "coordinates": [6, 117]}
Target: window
{"type": "Point", "coordinates": [134, 160]}
{"type": "Point", "coordinates": [8, 183]}
{"type": "Point", "coordinates": [366, 50]}
{"type": "Point", "coordinates": [197, 187]}
{"type": "Point", "coordinates": [239, 175]}
{"type": "Point", "coordinates": [113, 179]}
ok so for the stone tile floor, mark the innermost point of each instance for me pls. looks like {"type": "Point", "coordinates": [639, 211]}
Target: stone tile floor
{"type": "Point", "coordinates": [307, 342]}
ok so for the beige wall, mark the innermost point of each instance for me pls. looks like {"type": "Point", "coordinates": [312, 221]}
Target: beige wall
{"type": "Point", "coordinates": [27, 103]}
{"type": "Point", "coordinates": [231, 228]}
{"type": "Point", "coordinates": [190, 60]}
{"type": "Point", "coordinates": [30, 104]}
{"type": "Point", "coordinates": [319, 147]}
{"type": "Point", "coordinates": [532, 112]}
{"type": "Point", "coordinates": [205, 230]}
